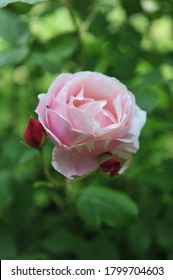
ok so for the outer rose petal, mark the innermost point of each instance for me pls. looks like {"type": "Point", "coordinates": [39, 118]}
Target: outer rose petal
{"type": "Point", "coordinates": [40, 110]}
{"type": "Point", "coordinates": [57, 85]}
{"type": "Point", "coordinates": [95, 148]}
{"type": "Point", "coordinates": [99, 86]}
{"type": "Point", "coordinates": [137, 122]}
{"type": "Point", "coordinates": [125, 166]}
{"type": "Point", "coordinates": [70, 164]}
{"type": "Point", "coordinates": [130, 143]}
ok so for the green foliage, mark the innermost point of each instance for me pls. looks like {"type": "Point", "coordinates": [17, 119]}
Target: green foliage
{"type": "Point", "coordinates": [126, 217]}
{"type": "Point", "coordinates": [97, 205]}
{"type": "Point", "coordinates": [16, 31]}
{"type": "Point", "coordinates": [5, 190]}
{"type": "Point", "coordinates": [6, 2]}
{"type": "Point", "coordinates": [13, 55]}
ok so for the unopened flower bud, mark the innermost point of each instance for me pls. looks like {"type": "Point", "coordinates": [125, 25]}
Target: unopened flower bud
{"type": "Point", "coordinates": [111, 166]}
{"type": "Point", "coordinates": [34, 133]}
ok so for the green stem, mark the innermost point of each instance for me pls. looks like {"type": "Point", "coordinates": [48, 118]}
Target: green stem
{"type": "Point", "coordinates": [55, 196]}
{"type": "Point", "coordinates": [78, 30]}
{"type": "Point", "coordinates": [53, 183]}
{"type": "Point", "coordinates": [68, 6]}
{"type": "Point", "coordinates": [88, 21]}
{"type": "Point", "coordinates": [57, 199]}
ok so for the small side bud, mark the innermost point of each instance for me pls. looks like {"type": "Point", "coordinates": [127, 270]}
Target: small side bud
{"type": "Point", "coordinates": [34, 133]}
{"type": "Point", "coordinates": [111, 166]}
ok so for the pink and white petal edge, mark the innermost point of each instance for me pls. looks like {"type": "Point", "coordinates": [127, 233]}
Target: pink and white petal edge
{"type": "Point", "coordinates": [71, 165]}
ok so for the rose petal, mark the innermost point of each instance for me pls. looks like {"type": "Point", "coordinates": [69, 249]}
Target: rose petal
{"type": "Point", "coordinates": [63, 130]}
{"type": "Point", "coordinates": [57, 85]}
{"type": "Point", "coordinates": [99, 86]}
{"type": "Point", "coordinates": [124, 150]}
{"type": "Point", "coordinates": [70, 164]}
{"type": "Point", "coordinates": [125, 166]}
{"type": "Point", "coordinates": [137, 122]}
{"type": "Point", "coordinates": [82, 121]}
{"type": "Point", "coordinates": [95, 148]}
{"type": "Point", "coordinates": [58, 104]}
{"type": "Point", "coordinates": [40, 110]}
{"type": "Point", "coordinates": [76, 84]}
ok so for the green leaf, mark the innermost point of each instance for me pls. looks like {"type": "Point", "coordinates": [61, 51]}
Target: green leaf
{"type": "Point", "coordinates": [139, 237]}
{"type": "Point", "coordinates": [164, 233]}
{"type": "Point", "coordinates": [147, 99]}
{"type": "Point", "coordinates": [98, 205]}
{"type": "Point", "coordinates": [52, 59]}
{"type": "Point", "coordinates": [62, 241]}
{"type": "Point", "coordinates": [100, 247]}
{"type": "Point", "coordinates": [41, 184]}
{"type": "Point", "coordinates": [8, 246]}
{"type": "Point", "coordinates": [132, 6]}
{"type": "Point", "coordinates": [6, 2]}
{"type": "Point", "coordinates": [5, 190]}
{"type": "Point", "coordinates": [33, 256]}
{"type": "Point", "coordinates": [12, 29]}
{"type": "Point", "coordinates": [13, 55]}
{"type": "Point", "coordinates": [28, 155]}
{"type": "Point", "coordinates": [161, 177]}
{"type": "Point", "coordinates": [41, 199]}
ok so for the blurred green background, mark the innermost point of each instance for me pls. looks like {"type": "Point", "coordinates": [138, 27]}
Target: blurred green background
{"type": "Point", "coordinates": [130, 40]}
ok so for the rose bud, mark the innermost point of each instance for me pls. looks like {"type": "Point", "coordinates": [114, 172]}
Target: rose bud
{"type": "Point", "coordinates": [34, 133]}
{"type": "Point", "coordinates": [111, 166]}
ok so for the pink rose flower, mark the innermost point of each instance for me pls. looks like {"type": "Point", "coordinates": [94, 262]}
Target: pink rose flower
{"type": "Point", "coordinates": [86, 115]}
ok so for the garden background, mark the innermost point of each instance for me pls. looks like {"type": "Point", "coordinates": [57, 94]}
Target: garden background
{"type": "Point", "coordinates": [125, 217]}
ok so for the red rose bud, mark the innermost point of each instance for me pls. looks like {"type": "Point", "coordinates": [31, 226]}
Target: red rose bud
{"type": "Point", "coordinates": [111, 166]}
{"type": "Point", "coordinates": [34, 133]}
